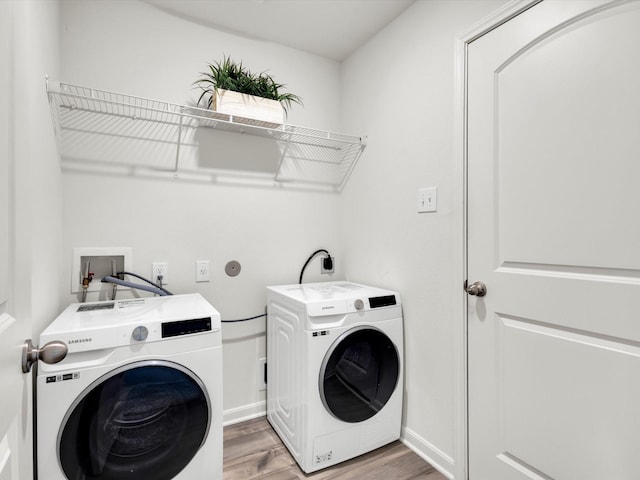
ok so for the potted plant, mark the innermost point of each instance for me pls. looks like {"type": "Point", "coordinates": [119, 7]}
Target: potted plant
{"type": "Point", "coordinates": [228, 87]}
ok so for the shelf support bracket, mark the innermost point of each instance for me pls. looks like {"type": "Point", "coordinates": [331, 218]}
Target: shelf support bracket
{"type": "Point", "coordinates": [284, 154]}
{"type": "Point", "coordinates": [178, 143]}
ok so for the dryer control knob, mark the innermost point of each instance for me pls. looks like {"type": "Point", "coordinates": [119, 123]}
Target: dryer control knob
{"type": "Point", "coordinates": [359, 304]}
{"type": "Point", "coordinates": [140, 333]}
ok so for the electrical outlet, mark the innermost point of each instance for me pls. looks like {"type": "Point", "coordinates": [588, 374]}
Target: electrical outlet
{"type": "Point", "coordinates": [324, 268]}
{"type": "Point", "coordinates": [160, 269]}
{"type": "Point", "coordinates": [261, 379]}
{"type": "Point", "coordinates": [202, 270]}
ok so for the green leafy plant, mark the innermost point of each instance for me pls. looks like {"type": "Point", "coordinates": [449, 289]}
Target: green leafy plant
{"type": "Point", "coordinates": [230, 75]}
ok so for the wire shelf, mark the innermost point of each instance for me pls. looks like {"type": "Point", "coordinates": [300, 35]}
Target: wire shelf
{"type": "Point", "coordinates": [110, 131]}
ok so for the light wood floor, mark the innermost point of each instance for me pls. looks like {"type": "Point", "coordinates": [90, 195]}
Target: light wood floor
{"type": "Point", "coordinates": [253, 450]}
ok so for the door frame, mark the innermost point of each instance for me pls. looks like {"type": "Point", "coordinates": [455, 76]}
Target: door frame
{"type": "Point", "coordinates": [460, 332]}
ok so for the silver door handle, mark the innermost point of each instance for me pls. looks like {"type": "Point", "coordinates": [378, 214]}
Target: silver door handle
{"type": "Point", "coordinates": [52, 352]}
{"type": "Point", "coordinates": [478, 289]}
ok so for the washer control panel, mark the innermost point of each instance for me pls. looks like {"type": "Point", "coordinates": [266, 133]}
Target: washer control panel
{"type": "Point", "coordinates": [154, 331]}
{"type": "Point", "coordinates": [358, 304]}
{"type": "Point", "coordinates": [186, 327]}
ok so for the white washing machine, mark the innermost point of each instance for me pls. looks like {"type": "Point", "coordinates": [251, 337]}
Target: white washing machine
{"type": "Point", "coordinates": [139, 394]}
{"type": "Point", "coordinates": [334, 370]}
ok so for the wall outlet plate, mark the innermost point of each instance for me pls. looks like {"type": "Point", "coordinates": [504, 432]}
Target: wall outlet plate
{"type": "Point", "coordinates": [324, 269]}
{"type": "Point", "coordinates": [160, 269]}
{"type": "Point", "coordinates": [202, 270]}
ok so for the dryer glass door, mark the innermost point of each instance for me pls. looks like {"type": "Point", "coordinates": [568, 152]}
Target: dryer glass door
{"type": "Point", "coordinates": [359, 374]}
{"type": "Point", "coordinates": [144, 421]}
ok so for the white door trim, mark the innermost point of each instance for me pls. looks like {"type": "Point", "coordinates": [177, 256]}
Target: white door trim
{"type": "Point", "coordinates": [463, 39]}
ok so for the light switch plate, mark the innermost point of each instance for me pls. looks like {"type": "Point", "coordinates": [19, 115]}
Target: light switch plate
{"type": "Point", "coordinates": [427, 199]}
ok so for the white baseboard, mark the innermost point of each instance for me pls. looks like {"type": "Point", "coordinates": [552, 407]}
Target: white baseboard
{"type": "Point", "coordinates": [437, 458]}
{"type": "Point", "coordinates": [243, 413]}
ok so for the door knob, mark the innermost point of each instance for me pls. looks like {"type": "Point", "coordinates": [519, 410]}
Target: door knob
{"type": "Point", "coordinates": [479, 289]}
{"type": "Point", "coordinates": [52, 352]}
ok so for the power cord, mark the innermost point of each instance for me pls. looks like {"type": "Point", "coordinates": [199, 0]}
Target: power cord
{"type": "Point", "coordinates": [244, 319]}
{"type": "Point", "coordinates": [327, 262]}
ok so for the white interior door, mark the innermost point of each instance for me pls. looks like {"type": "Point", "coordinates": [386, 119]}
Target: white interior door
{"type": "Point", "coordinates": [15, 422]}
{"type": "Point", "coordinates": [554, 232]}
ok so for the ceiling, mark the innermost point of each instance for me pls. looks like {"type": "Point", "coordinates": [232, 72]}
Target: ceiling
{"type": "Point", "coordinates": [330, 28]}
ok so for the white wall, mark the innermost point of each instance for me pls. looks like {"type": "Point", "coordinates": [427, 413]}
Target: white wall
{"type": "Point", "coordinates": [36, 196]}
{"type": "Point", "coordinates": [399, 89]}
{"type": "Point", "coordinates": [372, 228]}
{"type": "Point", "coordinates": [133, 48]}
{"type": "Point", "coordinates": [37, 179]}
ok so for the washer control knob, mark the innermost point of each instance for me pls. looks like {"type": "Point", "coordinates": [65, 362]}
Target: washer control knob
{"type": "Point", "coordinates": [359, 304]}
{"type": "Point", "coordinates": [140, 333]}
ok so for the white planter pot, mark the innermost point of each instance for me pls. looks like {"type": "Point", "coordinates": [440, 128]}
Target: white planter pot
{"type": "Point", "coordinates": [248, 107]}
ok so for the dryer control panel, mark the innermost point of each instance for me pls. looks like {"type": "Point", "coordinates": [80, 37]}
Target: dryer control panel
{"type": "Point", "coordinates": [332, 300]}
{"type": "Point", "coordinates": [383, 301]}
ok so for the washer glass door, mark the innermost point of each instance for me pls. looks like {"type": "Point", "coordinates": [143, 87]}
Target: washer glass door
{"type": "Point", "coordinates": [359, 374]}
{"type": "Point", "coordinates": [143, 421]}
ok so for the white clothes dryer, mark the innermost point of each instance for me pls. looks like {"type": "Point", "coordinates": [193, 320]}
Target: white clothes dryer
{"type": "Point", "coordinates": [334, 370]}
{"type": "Point", "coordinates": [139, 394]}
